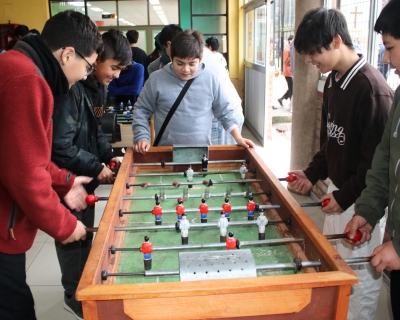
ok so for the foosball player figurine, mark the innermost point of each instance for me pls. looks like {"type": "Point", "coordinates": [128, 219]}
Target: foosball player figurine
{"type": "Point", "coordinates": [157, 211]}
{"type": "Point", "coordinates": [184, 226]}
{"type": "Point", "coordinates": [146, 249]}
{"type": "Point", "coordinates": [251, 207]}
{"type": "Point", "coordinates": [180, 210]}
{"type": "Point", "coordinates": [227, 208]}
{"type": "Point", "coordinates": [203, 210]}
{"type": "Point", "coordinates": [262, 221]}
{"type": "Point", "coordinates": [204, 163]}
{"type": "Point", "coordinates": [189, 175]}
{"type": "Point", "coordinates": [230, 242]}
{"type": "Point", "coordinates": [243, 170]}
{"type": "Point", "coordinates": [223, 226]}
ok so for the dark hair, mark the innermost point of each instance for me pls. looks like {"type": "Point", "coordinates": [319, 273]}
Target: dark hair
{"type": "Point", "coordinates": [116, 47]}
{"type": "Point", "coordinates": [155, 54]}
{"type": "Point", "coordinates": [213, 43]}
{"type": "Point", "coordinates": [387, 22]}
{"type": "Point", "coordinates": [133, 36]}
{"type": "Point", "coordinates": [187, 44]}
{"type": "Point", "coordinates": [317, 30]}
{"type": "Point", "coordinates": [21, 30]}
{"type": "Point", "coordinates": [290, 37]}
{"type": "Point", "coordinates": [168, 33]}
{"type": "Point", "coordinates": [72, 29]}
{"type": "Point", "coordinates": [34, 31]}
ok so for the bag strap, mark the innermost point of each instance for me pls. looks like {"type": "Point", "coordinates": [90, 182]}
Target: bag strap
{"type": "Point", "coordinates": [172, 111]}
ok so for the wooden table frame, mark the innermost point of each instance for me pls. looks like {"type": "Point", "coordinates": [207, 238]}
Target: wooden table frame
{"type": "Point", "coordinates": [322, 293]}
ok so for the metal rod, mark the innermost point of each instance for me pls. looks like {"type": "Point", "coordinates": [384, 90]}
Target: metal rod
{"type": "Point", "coordinates": [310, 204]}
{"type": "Point", "coordinates": [287, 266]}
{"type": "Point", "coordinates": [185, 163]}
{"type": "Point", "coordinates": [187, 196]}
{"type": "Point", "coordinates": [336, 236]}
{"type": "Point", "coordinates": [217, 245]}
{"type": "Point", "coordinates": [203, 173]}
{"type": "Point", "coordinates": [235, 208]}
{"type": "Point", "coordinates": [274, 266]}
{"type": "Point", "coordinates": [192, 225]}
{"type": "Point", "coordinates": [357, 260]}
{"type": "Point", "coordinates": [185, 183]}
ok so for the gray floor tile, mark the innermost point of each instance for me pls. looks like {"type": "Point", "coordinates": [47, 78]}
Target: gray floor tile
{"type": "Point", "coordinates": [44, 269]}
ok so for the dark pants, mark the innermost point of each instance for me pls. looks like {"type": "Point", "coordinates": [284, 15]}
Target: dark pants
{"type": "Point", "coordinates": [72, 256]}
{"type": "Point", "coordinates": [395, 293]}
{"type": "Point", "coordinates": [289, 91]}
{"type": "Point", "coordinates": [16, 300]}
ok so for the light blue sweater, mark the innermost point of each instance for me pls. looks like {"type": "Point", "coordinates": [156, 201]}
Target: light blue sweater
{"type": "Point", "coordinates": [192, 120]}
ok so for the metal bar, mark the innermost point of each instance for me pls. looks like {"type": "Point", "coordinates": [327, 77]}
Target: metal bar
{"type": "Point", "coordinates": [274, 266]}
{"type": "Point", "coordinates": [236, 208]}
{"type": "Point", "coordinates": [287, 266]}
{"type": "Point", "coordinates": [204, 173]}
{"type": "Point", "coordinates": [336, 236]}
{"type": "Point", "coordinates": [217, 245]}
{"type": "Point", "coordinates": [149, 164]}
{"type": "Point", "coordinates": [184, 183]}
{"type": "Point", "coordinates": [192, 225]}
{"type": "Point", "coordinates": [203, 195]}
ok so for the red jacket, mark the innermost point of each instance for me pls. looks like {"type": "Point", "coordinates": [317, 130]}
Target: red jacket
{"type": "Point", "coordinates": [27, 176]}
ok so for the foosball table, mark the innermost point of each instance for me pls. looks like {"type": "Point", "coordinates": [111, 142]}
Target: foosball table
{"type": "Point", "coordinates": [147, 265]}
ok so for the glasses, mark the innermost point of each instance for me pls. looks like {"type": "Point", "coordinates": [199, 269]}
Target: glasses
{"type": "Point", "coordinates": [90, 68]}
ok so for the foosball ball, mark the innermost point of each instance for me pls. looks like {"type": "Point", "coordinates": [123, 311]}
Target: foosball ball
{"type": "Point", "coordinates": [209, 233]}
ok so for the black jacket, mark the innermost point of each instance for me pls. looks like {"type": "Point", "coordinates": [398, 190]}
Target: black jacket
{"type": "Point", "coordinates": [79, 143]}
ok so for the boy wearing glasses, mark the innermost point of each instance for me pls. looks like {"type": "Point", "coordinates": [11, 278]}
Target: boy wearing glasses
{"type": "Point", "coordinates": [30, 192]}
{"type": "Point", "coordinates": [80, 146]}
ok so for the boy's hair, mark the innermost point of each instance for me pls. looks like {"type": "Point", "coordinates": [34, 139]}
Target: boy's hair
{"type": "Point", "coordinates": [72, 29]}
{"type": "Point", "coordinates": [21, 30]}
{"type": "Point", "coordinates": [116, 47]}
{"type": "Point", "coordinates": [317, 30]}
{"type": "Point", "coordinates": [387, 22]}
{"type": "Point", "coordinates": [290, 37]}
{"type": "Point", "coordinates": [168, 33]}
{"type": "Point", "coordinates": [213, 43]}
{"type": "Point", "coordinates": [133, 36]}
{"type": "Point", "coordinates": [35, 31]}
{"type": "Point", "coordinates": [187, 44]}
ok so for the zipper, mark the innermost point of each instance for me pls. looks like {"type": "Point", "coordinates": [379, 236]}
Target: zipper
{"type": "Point", "coordinates": [11, 220]}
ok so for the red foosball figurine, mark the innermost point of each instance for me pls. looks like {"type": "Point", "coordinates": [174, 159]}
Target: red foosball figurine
{"type": "Point", "coordinates": [180, 210]}
{"type": "Point", "coordinates": [227, 208]}
{"type": "Point", "coordinates": [157, 212]}
{"type": "Point", "coordinates": [203, 210]}
{"type": "Point", "coordinates": [146, 249]}
{"type": "Point", "coordinates": [251, 207]}
{"type": "Point", "coordinates": [231, 242]}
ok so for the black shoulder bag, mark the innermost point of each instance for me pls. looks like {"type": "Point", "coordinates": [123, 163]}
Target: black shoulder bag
{"type": "Point", "coordinates": [172, 111]}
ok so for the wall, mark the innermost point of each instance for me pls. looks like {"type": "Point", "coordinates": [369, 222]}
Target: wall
{"type": "Point", "coordinates": [33, 13]}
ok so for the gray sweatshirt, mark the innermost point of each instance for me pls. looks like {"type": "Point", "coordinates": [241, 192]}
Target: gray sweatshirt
{"type": "Point", "coordinates": [192, 120]}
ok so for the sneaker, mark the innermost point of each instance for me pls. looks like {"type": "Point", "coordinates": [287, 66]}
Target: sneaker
{"type": "Point", "coordinates": [73, 306]}
{"type": "Point", "coordinates": [274, 107]}
{"type": "Point", "coordinates": [280, 102]}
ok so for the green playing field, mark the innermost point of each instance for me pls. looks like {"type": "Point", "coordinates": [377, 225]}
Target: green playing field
{"type": "Point", "coordinates": [132, 261]}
